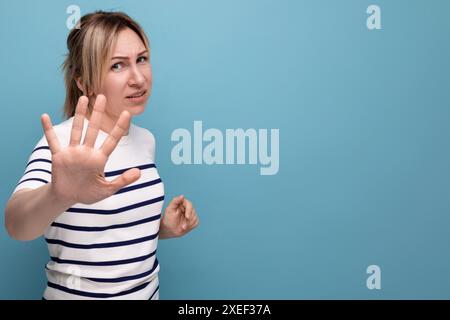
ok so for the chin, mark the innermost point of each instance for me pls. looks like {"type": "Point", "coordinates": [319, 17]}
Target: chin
{"type": "Point", "coordinates": [136, 110]}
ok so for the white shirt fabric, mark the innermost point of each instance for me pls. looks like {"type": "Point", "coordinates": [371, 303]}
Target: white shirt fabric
{"type": "Point", "coordinates": [105, 250]}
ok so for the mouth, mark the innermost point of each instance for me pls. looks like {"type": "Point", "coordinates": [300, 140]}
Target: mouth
{"type": "Point", "coordinates": [137, 95]}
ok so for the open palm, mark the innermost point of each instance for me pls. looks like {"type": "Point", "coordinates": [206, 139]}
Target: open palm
{"type": "Point", "coordinates": [78, 169]}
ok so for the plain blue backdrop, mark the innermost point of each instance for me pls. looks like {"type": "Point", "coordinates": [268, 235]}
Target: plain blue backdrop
{"type": "Point", "coordinates": [363, 115]}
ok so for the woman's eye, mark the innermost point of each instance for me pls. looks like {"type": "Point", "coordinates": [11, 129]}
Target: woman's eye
{"type": "Point", "coordinates": [116, 66]}
{"type": "Point", "coordinates": [142, 59]}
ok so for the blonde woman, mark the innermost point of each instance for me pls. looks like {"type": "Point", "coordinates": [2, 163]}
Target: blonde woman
{"type": "Point", "coordinates": [91, 186]}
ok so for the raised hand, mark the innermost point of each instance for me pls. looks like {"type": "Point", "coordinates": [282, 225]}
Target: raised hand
{"type": "Point", "coordinates": [78, 169]}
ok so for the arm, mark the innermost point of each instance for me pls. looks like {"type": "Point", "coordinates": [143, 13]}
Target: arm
{"type": "Point", "coordinates": [77, 174]}
{"type": "Point", "coordinates": [30, 211]}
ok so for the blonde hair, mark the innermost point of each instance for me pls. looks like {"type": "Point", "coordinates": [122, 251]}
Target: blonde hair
{"type": "Point", "coordinates": [90, 48]}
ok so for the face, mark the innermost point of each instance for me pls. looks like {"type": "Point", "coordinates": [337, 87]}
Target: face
{"type": "Point", "coordinates": [128, 81]}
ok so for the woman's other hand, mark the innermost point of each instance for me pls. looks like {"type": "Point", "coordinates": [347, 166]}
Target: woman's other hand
{"type": "Point", "coordinates": [179, 218]}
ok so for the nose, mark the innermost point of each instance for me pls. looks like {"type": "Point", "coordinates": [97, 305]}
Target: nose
{"type": "Point", "coordinates": [137, 78]}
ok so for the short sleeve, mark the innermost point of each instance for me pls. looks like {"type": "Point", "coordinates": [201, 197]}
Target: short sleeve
{"type": "Point", "coordinates": [38, 169]}
{"type": "Point", "coordinates": [151, 143]}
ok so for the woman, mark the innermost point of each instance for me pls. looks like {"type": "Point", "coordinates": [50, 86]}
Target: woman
{"type": "Point", "coordinates": [91, 185]}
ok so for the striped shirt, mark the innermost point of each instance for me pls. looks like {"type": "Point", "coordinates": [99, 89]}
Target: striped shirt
{"type": "Point", "coordinates": [105, 250]}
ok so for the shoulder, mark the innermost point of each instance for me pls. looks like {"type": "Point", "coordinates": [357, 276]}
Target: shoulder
{"type": "Point", "coordinates": [145, 139]}
{"type": "Point", "coordinates": [143, 134]}
{"type": "Point", "coordinates": [62, 131]}
{"type": "Point", "coordinates": [64, 128]}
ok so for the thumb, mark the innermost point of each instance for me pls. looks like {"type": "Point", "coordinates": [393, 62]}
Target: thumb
{"type": "Point", "coordinates": [125, 178]}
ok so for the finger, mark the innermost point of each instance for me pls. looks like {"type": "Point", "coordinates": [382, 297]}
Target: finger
{"type": "Point", "coordinates": [184, 225]}
{"type": "Point", "coordinates": [193, 219]}
{"type": "Point", "coordinates": [78, 121]}
{"type": "Point", "coordinates": [176, 202]}
{"type": "Point", "coordinates": [187, 209]}
{"type": "Point", "coordinates": [95, 121]}
{"type": "Point", "coordinates": [117, 132]}
{"type": "Point", "coordinates": [194, 215]}
{"type": "Point", "coordinates": [194, 223]}
{"type": "Point", "coordinates": [50, 135]}
{"type": "Point", "coordinates": [124, 179]}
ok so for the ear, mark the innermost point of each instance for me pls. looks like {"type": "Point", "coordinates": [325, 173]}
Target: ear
{"type": "Point", "coordinates": [77, 80]}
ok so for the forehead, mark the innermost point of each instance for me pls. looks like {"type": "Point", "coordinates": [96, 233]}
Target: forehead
{"type": "Point", "coordinates": [128, 43]}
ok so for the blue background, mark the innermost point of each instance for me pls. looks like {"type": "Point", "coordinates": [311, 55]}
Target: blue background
{"type": "Point", "coordinates": [364, 160]}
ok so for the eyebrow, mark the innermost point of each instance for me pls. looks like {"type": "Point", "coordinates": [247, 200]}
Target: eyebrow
{"type": "Point", "coordinates": [127, 58]}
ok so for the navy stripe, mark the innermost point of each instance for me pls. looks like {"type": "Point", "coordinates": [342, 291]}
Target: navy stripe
{"type": "Point", "coordinates": [139, 186]}
{"type": "Point", "coordinates": [41, 148]}
{"type": "Point", "coordinates": [32, 179]}
{"type": "Point", "coordinates": [117, 172]}
{"type": "Point", "coordinates": [97, 295]}
{"type": "Point", "coordinates": [156, 290]}
{"type": "Point", "coordinates": [101, 245]}
{"type": "Point", "coordinates": [42, 170]}
{"type": "Point", "coordinates": [38, 160]}
{"type": "Point", "coordinates": [127, 278]}
{"type": "Point", "coordinates": [119, 210]}
{"type": "Point", "coordinates": [115, 226]}
{"type": "Point", "coordinates": [105, 263]}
